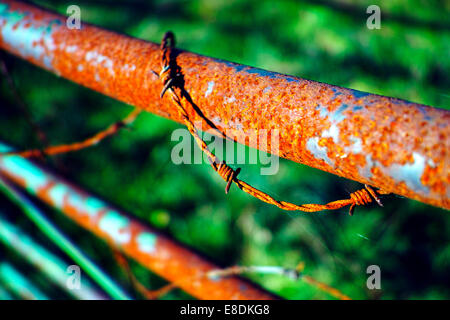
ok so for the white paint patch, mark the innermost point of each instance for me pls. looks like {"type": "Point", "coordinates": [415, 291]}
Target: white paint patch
{"type": "Point", "coordinates": [71, 49]}
{"type": "Point", "coordinates": [98, 59]}
{"type": "Point", "coordinates": [115, 225]}
{"type": "Point", "coordinates": [34, 177]}
{"type": "Point", "coordinates": [332, 132]}
{"type": "Point", "coordinates": [57, 195]}
{"type": "Point", "coordinates": [146, 242]}
{"type": "Point", "coordinates": [93, 206]}
{"type": "Point", "coordinates": [210, 88]}
{"type": "Point", "coordinates": [367, 170]}
{"type": "Point", "coordinates": [231, 99]}
{"type": "Point", "coordinates": [357, 145]}
{"type": "Point", "coordinates": [30, 41]}
{"type": "Point", "coordinates": [318, 151]}
{"type": "Point", "coordinates": [410, 173]}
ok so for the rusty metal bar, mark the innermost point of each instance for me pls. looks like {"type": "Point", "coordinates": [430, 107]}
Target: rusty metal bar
{"type": "Point", "coordinates": [147, 246]}
{"type": "Point", "coordinates": [395, 145]}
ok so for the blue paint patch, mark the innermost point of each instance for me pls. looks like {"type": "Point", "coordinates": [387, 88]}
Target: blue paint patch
{"type": "Point", "coordinates": [366, 172]}
{"type": "Point", "coordinates": [359, 94]}
{"type": "Point", "coordinates": [146, 242]}
{"type": "Point", "coordinates": [410, 174]}
{"type": "Point", "coordinates": [235, 66]}
{"type": "Point", "coordinates": [33, 176]}
{"type": "Point", "coordinates": [90, 206]}
{"type": "Point", "coordinates": [270, 74]}
{"type": "Point", "coordinates": [323, 111]}
{"type": "Point", "coordinates": [337, 116]}
{"type": "Point", "coordinates": [114, 224]}
{"type": "Point", "coordinates": [27, 39]}
{"type": "Point", "coordinates": [260, 72]}
{"type": "Point", "coordinates": [334, 118]}
{"type": "Point", "coordinates": [424, 111]}
{"type": "Point", "coordinates": [93, 206]}
{"type": "Point", "coordinates": [57, 194]}
{"type": "Point", "coordinates": [336, 93]}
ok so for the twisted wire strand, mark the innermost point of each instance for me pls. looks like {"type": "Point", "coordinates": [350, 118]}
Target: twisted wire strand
{"type": "Point", "coordinates": [171, 78]}
{"type": "Point", "coordinates": [93, 140]}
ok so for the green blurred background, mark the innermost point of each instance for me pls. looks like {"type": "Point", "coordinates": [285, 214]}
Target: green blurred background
{"type": "Point", "coordinates": [326, 41]}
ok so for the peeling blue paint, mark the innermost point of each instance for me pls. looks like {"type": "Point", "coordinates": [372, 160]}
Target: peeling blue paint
{"type": "Point", "coordinates": [260, 72]}
{"type": "Point", "coordinates": [336, 93]}
{"type": "Point", "coordinates": [33, 176]}
{"type": "Point", "coordinates": [359, 94]}
{"type": "Point", "coordinates": [57, 195]}
{"type": "Point", "coordinates": [146, 242]}
{"type": "Point", "coordinates": [270, 74]}
{"type": "Point", "coordinates": [332, 132]}
{"type": "Point", "coordinates": [410, 173]}
{"type": "Point", "coordinates": [115, 226]}
{"type": "Point", "coordinates": [357, 145]}
{"type": "Point", "coordinates": [93, 206]}
{"type": "Point", "coordinates": [366, 172]}
{"type": "Point", "coordinates": [97, 59]}
{"type": "Point", "coordinates": [210, 88]}
{"type": "Point", "coordinates": [334, 117]}
{"type": "Point", "coordinates": [337, 116]}
{"type": "Point", "coordinates": [26, 40]}
{"type": "Point", "coordinates": [318, 151]}
{"type": "Point", "coordinates": [235, 66]}
{"type": "Point", "coordinates": [60, 193]}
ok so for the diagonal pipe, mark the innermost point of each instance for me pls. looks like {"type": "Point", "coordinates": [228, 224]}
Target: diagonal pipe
{"type": "Point", "coordinates": [395, 145]}
{"type": "Point", "coordinates": [153, 250]}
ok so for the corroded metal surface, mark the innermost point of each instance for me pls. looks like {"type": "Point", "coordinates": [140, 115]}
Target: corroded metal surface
{"type": "Point", "coordinates": [398, 146]}
{"type": "Point", "coordinates": [153, 250]}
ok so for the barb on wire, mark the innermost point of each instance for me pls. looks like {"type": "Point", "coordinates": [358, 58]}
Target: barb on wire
{"type": "Point", "coordinates": [91, 141]}
{"type": "Point", "coordinates": [173, 83]}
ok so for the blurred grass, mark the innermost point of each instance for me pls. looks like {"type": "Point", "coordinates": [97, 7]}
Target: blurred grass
{"type": "Point", "coordinates": [325, 41]}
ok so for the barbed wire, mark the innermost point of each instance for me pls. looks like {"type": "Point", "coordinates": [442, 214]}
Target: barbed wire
{"type": "Point", "coordinates": [173, 82]}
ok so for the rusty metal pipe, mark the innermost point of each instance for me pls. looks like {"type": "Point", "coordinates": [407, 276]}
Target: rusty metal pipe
{"type": "Point", "coordinates": [153, 250]}
{"type": "Point", "coordinates": [398, 146]}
